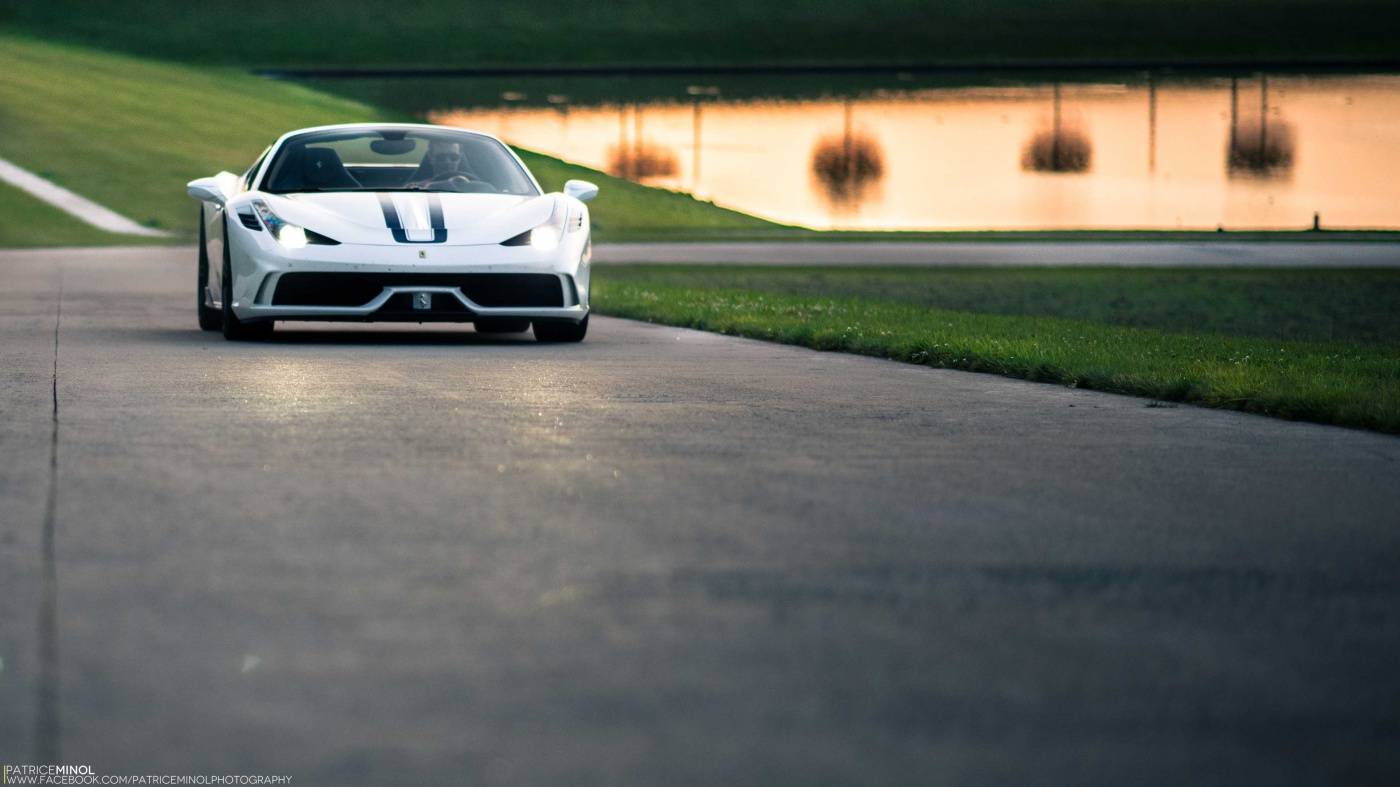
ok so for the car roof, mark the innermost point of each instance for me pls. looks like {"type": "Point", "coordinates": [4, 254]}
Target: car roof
{"type": "Point", "coordinates": [367, 126]}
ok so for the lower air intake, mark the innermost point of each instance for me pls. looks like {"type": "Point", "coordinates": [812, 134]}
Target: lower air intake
{"type": "Point", "coordinates": [357, 289]}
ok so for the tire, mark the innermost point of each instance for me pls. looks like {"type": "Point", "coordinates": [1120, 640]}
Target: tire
{"type": "Point", "coordinates": [501, 325]}
{"type": "Point", "coordinates": [561, 330]}
{"type": "Point", "coordinates": [210, 319]}
{"type": "Point", "coordinates": [235, 330]}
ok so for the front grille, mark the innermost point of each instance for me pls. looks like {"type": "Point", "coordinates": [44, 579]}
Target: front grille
{"type": "Point", "coordinates": [250, 221]}
{"type": "Point", "coordinates": [357, 289]}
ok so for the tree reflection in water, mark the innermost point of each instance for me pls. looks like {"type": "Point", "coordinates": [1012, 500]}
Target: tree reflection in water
{"type": "Point", "coordinates": [1261, 148]}
{"type": "Point", "coordinates": [1060, 148]}
{"type": "Point", "coordinates": [636, 159]}
{"type": "Point", "coordinates": [848, 166]}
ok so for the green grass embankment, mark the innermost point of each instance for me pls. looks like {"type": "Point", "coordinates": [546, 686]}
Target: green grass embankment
{"type": "Point", "coordinates": [27, 222]}
{"type": "Point", "coordinates": [1311, 345]}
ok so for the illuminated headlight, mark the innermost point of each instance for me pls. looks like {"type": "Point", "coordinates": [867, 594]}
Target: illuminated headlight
{"type": "Point", "coordinates": [292, 236]}
{"type": "Point", "coordinates": [546, 236]}
{"type": "Point", "coordinates": [286, 233]}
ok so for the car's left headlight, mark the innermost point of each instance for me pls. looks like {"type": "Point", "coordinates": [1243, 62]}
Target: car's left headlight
{"type": "Point", "coordinates": [291, 235]}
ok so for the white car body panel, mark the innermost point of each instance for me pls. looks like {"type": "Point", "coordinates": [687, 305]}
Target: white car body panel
{"type": "Point", "coordinates": [471, 219]}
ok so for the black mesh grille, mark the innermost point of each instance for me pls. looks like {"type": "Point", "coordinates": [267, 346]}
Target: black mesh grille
{"type": "Point", "coordinates": [250, 221]}
{"type": "Point", "coordinates": [357, 289]}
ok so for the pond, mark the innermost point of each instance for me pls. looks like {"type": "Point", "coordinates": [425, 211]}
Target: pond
{"type": "Point", "coordinates": [913, 151]}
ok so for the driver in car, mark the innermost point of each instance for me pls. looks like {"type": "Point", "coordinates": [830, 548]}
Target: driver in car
{"type": "Point", "coordinates": [443, 162]}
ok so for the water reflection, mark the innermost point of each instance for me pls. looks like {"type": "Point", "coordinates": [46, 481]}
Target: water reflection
{"type": "Point", "coordinates": [1142, 151]}
{"type": "Point", "coordinates": [641, 160]}
{"type": "Point", "coordinates": [847, 165]}
{"type": "Point", "coordinates": [1260, 146]}
{"type": "Point", "coordinates": [1060, 148]}
{"type": "Point", "coordinates": [638, 158]}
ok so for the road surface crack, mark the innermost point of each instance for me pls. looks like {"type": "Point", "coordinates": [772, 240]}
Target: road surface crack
{"type": "Point", "coordinates": [46, 722]}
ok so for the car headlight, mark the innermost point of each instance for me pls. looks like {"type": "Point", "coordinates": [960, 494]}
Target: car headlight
{"type": "Point", "coordinates": [544, 237]}
{"type": "Point", "coordinates": [290, 235]}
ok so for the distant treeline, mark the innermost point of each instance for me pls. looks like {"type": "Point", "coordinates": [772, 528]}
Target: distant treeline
{"type": "Point", "coordinates": [452, 33]}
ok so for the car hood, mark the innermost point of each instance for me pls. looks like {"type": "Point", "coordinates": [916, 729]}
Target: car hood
{"type": "Point", "coordinates": [373, 217]}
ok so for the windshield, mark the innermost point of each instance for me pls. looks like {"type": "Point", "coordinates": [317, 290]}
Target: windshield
{"type": "Point", "coordinates": [390, 159]}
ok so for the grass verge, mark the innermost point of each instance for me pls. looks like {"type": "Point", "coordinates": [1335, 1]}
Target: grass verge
{"type": "Point", "coordinates": [128, 133]}
{"type": "Point", "coordinates": [27, 222]}
{"type": "Point", "coordinates": [1068, 337]}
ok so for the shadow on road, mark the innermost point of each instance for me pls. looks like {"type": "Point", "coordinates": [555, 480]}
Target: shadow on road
{"type": "Point", "coordinates": [338, 336]}
{"type": "Point", "coordinates": [378, 336]}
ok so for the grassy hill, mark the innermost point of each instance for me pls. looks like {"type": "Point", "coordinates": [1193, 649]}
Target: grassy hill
{"type": "Point", "coordinates": [27, 222]}
{"type": "Point", "coordinates": [457, 33]}
{"type": "Point", "coordinates": [129, 133]}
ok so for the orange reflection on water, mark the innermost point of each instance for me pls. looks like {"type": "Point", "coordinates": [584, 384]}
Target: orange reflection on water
{"type": "Point", "coordinates": [1162, 155]}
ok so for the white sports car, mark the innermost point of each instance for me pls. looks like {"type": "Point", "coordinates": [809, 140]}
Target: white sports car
{"type": "Point", "coordinates": [398, 222]}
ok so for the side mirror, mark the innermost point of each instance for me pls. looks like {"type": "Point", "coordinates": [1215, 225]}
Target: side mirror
{"type": "Point", "coordinates": [207, 190]}
{"type": "Point", "coordinates": [580, 190]}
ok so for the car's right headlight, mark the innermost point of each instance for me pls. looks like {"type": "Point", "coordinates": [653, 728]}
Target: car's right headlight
{"type": "Point", "coordinates": [546, 236]}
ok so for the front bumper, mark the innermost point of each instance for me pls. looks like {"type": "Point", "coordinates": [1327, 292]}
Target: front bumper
{"type": "Point", "coordinates": [398, 302]}
{"type": "Point", "coordinates": [448, 275]}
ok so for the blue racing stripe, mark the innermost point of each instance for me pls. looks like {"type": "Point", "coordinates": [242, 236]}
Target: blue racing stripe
{"type": "Point", "coordinates": [395, 224]}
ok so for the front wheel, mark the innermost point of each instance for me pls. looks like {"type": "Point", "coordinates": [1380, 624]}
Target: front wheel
{"type": "Point", "coordinates": [561, 330]}
{"type": "Point", "coordinates": [236, 330]}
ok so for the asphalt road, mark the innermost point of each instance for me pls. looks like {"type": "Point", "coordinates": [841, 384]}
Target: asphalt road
{"type": "Point", "coordinates": [1271, 254]}
{"type": "Point", "coordinates": [361, 556]}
